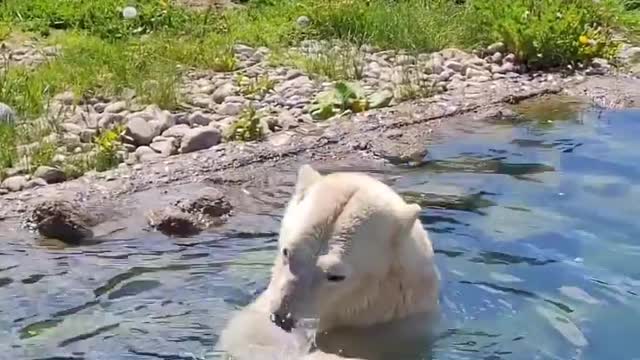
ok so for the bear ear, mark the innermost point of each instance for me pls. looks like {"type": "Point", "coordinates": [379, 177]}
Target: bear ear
{"type": "Point", "coordinates": [408, 214]}
{"type": "Point", "coordinates": [307, 176]}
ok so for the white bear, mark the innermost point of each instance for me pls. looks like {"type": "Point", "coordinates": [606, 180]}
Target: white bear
{"type": "Point", "coordinates": [351, 254]}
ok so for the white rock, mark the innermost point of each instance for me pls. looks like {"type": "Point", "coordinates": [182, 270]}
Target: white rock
{"type": "Point", "coordinates": [7, 115]}
{"type": "Point", "coordinates": [303, 21]}
{"type": "Point", "coordinates": [116, 107]}
{"type": "Point", "coordinates": [199, 139]}
{"type": "Point", "coordinates": [14, 183]}
{"type": "Point", "coordinates": [454, 65]}
{"type": "Point", "coordinates": [141, 131]}
{"type": "Point", "coordinates": [510, 58]}
{"type": "Point", "coordinates": [223, 92]}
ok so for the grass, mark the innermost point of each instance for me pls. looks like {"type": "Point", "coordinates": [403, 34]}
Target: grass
{"type": "Point", "coordinates": [105, 54]}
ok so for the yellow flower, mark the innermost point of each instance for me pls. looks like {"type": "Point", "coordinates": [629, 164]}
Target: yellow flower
{"type": "Point", "coordinates": [584, 39]}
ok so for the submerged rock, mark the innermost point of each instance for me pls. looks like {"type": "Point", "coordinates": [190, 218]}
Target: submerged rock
{"type": "Point", "coordinates": [189, 217]}
{"type": "Point", "coordinates": [173, 222]}
{"type": "Point", "coordinates": [62, 220]}
{"type": "Point", "coordinates": [211, 202]}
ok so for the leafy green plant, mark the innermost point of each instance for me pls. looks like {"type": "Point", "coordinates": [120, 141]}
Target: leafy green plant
{"type": "Point", "coordinates": [247, 127]}
{"type": "Point", "coordinates": [107, 147]}
{"type": "Point", "coordinates": [544, 33]}
{"type": "Point", "coordinates": [7, 145]}
{"type": "Point", "coordinates": [42, 155]}
{"type": "Point", "coordinates": [256, 86]}
{"type": "Point", "coordinates": [344, 96]}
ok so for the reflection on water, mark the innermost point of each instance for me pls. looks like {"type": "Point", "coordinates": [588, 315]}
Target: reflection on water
{"type": "Point", "coordinates": [536, 236]}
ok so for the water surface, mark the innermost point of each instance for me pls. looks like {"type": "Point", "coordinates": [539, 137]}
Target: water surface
{"type": "Point", "coordinates": [535, 225]}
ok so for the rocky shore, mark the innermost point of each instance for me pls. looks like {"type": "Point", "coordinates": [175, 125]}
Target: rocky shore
{"type": "Point", "coordinates": [398, 103]}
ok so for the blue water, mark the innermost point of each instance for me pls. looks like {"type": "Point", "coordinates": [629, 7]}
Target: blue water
{"type": "Point", "coordinates": [535, 225]}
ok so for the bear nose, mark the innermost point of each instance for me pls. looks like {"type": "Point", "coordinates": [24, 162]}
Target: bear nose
{"type": "Point", "coordinates": [285, 322]}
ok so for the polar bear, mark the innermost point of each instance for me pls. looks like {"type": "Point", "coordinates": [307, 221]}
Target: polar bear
{"type": "Point", "coordinates": [351, 254]}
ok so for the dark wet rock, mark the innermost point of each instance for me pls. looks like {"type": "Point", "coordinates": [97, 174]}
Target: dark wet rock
{"type": "Point", "coordinates": [62, 220]}
{"type": "Point", "coordinates": [173, 222]}
{"type": "Point", "coordinates": [50, 174]}
{"type": "Point", "coordinates": [210, 202]}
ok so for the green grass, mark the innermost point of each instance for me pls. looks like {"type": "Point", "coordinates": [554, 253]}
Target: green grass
{"type": "Point", "coordinates": [104, 54]}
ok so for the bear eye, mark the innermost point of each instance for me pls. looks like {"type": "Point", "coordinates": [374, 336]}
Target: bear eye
{"type": "Point", "coordinates": [335, 278]}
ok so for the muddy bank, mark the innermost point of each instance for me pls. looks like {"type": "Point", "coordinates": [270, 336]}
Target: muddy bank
{"type": "Point", "coordinates": [374, 140]}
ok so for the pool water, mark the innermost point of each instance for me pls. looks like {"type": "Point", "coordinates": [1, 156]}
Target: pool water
{"type": "Point", "coordinates": [535, 226]}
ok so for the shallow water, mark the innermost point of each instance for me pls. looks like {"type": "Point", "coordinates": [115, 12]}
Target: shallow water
{"type": "Point", "coordinates": [535, 226]}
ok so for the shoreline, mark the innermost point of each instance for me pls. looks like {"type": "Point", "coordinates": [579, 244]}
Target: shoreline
{"type": "Point", "coordinates": [388, 138]}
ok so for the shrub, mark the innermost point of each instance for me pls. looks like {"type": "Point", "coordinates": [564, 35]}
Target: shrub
{"type": "Point", "coordinates": [545, 33]}
{"type": "Point", "coordinates": [247, 127]}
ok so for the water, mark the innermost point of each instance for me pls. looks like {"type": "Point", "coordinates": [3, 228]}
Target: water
{"type": "Point", "coordinates": [535, 226]}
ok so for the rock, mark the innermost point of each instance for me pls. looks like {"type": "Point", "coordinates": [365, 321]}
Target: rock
{"type": "Point", "coordinates": [141, 131]}
{"type": "Point", "coordinates": [630, 55]}
{"type": "Point", "coordinates": [198, 118]}
{"type": "Point", "coordinates": [496, 58]}
{"type": "Point", "coordinates": [230, 109]}
{"type": "Point", "coordinates": [71, 128]}
{"type": "Point", "coordinates": [116, 107]}
{"type": "Point", "coordinates": [177, 131]}
{"type": "Point", "coordinates": [473, 72]}
{"type": "Point", "coordinates": [446, 75]}
{"type": "Point", "coordinates": [510, 58]}
{"type": "Point", "coordinates": [108, 120]}
{"type": "Point", "coordinates": [87, 135]}
{"type": "Point", "coordinates": [34, 183]}
{"type": "Point", "coordinates": [380, 99]}
{"type": "Point", "coordinates": [14, 183]}
{"type": "Point", "coordinates": [173, 222]}
{"type": "Point", "coordinates": [303, 21]}
{"type": "Point", "coordinates": [222, 92]}
{"type": "Point", "coordinates": [454, 65]}
{"type": "Point", "coordinates": [145, 153]}
{"type": "Point", "coordinates": [66, 98]}
{"type": "Point", "coordinates": [7, 115]}
{"type": "Point", "coordinates": [495, 48]}
{"type": "Point", "coordinates": [404, 60]}
{"type": "Point", "coordinates": [200, 139]}
{"type": "Point", "coordinates": [62, 220]}
{"type": "Point", "coordinates": [164, 146]}
{"type": "Point", "coordinates": [3, 192]}
{"type": "Point", "coordinates": [434, 67]}
{"type": "Point", "coordinates": [599, 63]}
{"type": "Point", "coordinates": [503, 69]}
{"type": "Point", "coordinates": [50, 174]}
{"type": "Point", "coordinates": [287, 121]}
{"type": "Point", "coordinates": [210, 202]}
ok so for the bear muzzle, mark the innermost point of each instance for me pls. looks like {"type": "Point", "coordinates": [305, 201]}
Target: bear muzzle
{"type": "Point", "coordinates": [285, 321]}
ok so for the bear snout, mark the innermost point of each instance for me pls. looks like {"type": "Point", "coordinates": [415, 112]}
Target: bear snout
{"type": "Point", "coordinates": [285, 321]}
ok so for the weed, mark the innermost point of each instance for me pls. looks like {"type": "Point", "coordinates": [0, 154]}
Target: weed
{"type": "Point", "coordinates": [41, 155]}
{"type": "Point", "coordinates": [107, 148]}
{"type": "Point", "coordinates": [247, 127]}
{"type": "Point", "coordinates": [345, 96]}
{"type": "Point", "coordinates": [415, 85]}
{"type": "Point", "coordinates": [335, 63]}
{"type": "Point", "coordinates": [257, 86]}
{"type": "Point", "coordinates": [7, 145]}
{"type": "Point", "coordinates": [544, 33]}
